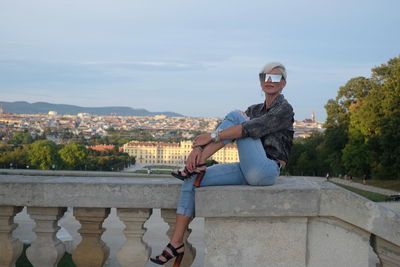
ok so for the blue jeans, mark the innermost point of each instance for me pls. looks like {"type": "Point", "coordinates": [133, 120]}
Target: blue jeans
{"type": "Point", "coordinates": [254, 167]}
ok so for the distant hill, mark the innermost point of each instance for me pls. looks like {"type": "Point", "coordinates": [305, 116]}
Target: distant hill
{"type": "Point", "coordinates": [22, 107]}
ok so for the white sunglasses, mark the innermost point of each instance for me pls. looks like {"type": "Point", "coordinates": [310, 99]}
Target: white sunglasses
{"type": "Point", "coordinates": [275, 78]}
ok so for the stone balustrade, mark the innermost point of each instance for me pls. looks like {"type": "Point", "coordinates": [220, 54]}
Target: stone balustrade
{"type": "Point", "coordinates": [47, 198]}
{"type": "Point", "coordinates": [297, 222]}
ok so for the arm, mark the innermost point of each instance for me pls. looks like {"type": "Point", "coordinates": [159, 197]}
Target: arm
{"type": "Point", "coordinates": [229, 133]}
{"type": "Point", "coordinates": [273, 121]}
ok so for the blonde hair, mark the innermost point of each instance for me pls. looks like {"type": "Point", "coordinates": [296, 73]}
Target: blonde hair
{"type": "Point", "coordinates": [274, 65]}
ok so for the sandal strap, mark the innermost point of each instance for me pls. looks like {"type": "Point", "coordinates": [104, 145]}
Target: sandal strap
{"type": "Point", "coordinates": [174, 250]}
{"type": "Point", "coordinates": [187, 172]}
{"type": "Point", "coordinates": [201, 165]}
{"type": "Point", "coordinates": [181, 246]}
{"type": "Point", "coordinates": [167, 255]}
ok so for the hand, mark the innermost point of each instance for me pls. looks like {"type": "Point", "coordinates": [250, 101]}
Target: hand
{"type": "Point", "coordinates": [202, 140]}
{"type": "Point", "coordinates": [193, 159]}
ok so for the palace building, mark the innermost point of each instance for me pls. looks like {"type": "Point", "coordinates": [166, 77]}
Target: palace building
{"type": "Point", "coordinates": [174, 153]}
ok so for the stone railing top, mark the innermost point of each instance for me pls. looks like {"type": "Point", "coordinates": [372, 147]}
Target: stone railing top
{"type": "Point", "coordinates": [33, 172]}
{"type": "Point", "coordinates": [61, 191]}
{"type": "Point", "coordinates": [299, 196]}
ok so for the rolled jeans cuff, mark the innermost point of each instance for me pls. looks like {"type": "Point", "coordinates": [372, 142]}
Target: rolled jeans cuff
{"type": "Point", "coordinates": [184, 211]}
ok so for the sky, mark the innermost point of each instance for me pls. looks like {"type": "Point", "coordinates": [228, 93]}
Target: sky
{"type": "Point", "coordinates": [197, 58]}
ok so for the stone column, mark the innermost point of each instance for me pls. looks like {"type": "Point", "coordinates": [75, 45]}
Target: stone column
{"type": "Point", "coordinates": [135, 251]}
{"type": "Point", "coordinates": [10, 248]}
{"type": "Point", "coordinates": [46, 250]}
{"type": "Point", "coordinates": [91, 251]}
{"type": "Point", "coordinates": [169, 216]}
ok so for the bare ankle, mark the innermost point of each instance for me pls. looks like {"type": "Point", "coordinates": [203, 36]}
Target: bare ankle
{"type": "Point", "coordinates": [176, 243]}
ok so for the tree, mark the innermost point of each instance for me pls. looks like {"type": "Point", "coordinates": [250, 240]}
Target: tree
{"type": "Point", "coordinates": [387, 164]}
{"type": "Point", "coordinates": [336, 135]}
{"type": "Point", "coordinates": [363, 124]}
{"type": "Point", "coordinates": [356, 155]}
{"type": "Point", "coordinates": [20, 138]}
{"type": "Point", "coordinates": [74, 156]}
{"type": "Point", "coordinates": [17, 157]}
{"type": "Point", "coordinates": [307, 156]}
{"type": "Point", "coordinates": [43, 154]}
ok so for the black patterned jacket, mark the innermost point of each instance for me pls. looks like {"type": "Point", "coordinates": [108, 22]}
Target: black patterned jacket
{"type": "Point", "coordinates": [273, 125]}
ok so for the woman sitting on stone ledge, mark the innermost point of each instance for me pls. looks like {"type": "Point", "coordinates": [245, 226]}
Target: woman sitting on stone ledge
{"type": "Point", "coordinates": [264, 135]}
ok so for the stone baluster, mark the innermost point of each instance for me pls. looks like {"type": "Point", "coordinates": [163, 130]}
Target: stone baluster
{"type": "Point", "coordinates": [10, 248]}
{"type": "Point", "coordinates": [169, 216]}
{"type": "Point", "coordinates": [135, 251]}
{"type": "Point", "coordinates": [91, 251]}
{"type": "Point", "coordinates": [46, 250]}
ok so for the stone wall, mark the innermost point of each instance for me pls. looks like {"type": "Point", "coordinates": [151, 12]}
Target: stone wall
{"type": "Point", "coordinates": [297, 222]}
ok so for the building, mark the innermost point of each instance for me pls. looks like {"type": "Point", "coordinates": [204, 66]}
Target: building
{"type": "Point", "coordinates": [173, 153]}
{"type": "Point", "coordinates": [305, 128]}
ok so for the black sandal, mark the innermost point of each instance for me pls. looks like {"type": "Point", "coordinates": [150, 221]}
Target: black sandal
{"type": "Point", "coordinates": [182, 175]}
{"type": "Point", "coordinates": [185, 174]}
{"type": "Point", "coordinates": [168, 256]}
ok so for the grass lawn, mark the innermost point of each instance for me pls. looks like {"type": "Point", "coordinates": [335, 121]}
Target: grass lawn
{"type": "Point", "coordinates": [376, 197]}
{"type": "Point", "coordinates": [154, 171]}
{"type": "Point", "coordinates": [161, 167]}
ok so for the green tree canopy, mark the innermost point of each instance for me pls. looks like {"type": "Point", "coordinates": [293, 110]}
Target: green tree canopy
{"type": "Point", "coordinates": [43, 154]}
{"type": "Point", "coordinates": [366, 116]}
{"type": "Point", "coordinates": [74, 156]}
{"type": "Point", "coordinates": [362, 133]}
{"type": "Point", "coordinates": [20, 138]}
{"type": "Point", "coordinates": [17, 157]}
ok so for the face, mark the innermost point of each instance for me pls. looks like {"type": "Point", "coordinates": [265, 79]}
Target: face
{"type": "Point", "coordinates": [273, 88]}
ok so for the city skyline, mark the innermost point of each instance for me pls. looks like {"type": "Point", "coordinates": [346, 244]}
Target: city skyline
{"type": "Point", "coordinates": [4, 110]}
{"type": "Point", "coordinates": [88, 125]}
{"type": "Point", "coordinates": [196, 59]}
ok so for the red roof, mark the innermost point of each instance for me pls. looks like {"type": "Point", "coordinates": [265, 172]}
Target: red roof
{"type": "Point", "coordinates": [102, 147]}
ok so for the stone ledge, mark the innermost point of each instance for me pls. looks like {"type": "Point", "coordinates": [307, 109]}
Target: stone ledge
{"type": "Point", "coordinates": [299, 197]}
{"type": "Point", "coordinates": [47, 191]}
{"type": "Point", "coordinates": [288, 197]}
{"type": "Point", "coordinates": [32, 172]}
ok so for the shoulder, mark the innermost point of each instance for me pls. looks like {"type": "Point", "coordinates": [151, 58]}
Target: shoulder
{"type": "Point", "coordinates": [285, 105]}
{"type": "Point", "coordinates": [255, 106]}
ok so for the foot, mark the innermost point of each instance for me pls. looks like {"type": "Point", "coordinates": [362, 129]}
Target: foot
{"type": "Point", "coordinates": [200, 167]}
{"type": "Point", "coordinates": [185, 173]}
{"type": "Point", "coordinates": [179, 249]}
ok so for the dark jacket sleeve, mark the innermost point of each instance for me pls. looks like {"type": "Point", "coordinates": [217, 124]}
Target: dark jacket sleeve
{"type": "Point", "coordinates": [272, 121]}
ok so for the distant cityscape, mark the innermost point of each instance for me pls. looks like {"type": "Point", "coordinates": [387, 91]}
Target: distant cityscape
{"type": "Point", "coordinates": [87, 125]}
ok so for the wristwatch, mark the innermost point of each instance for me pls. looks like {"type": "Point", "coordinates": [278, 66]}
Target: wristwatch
{"type": "Point", "coordinates": [215, 136]}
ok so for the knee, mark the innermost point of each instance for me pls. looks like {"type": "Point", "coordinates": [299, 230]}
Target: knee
{"type": "Point", "coordinates": [235, 116]}
{"type": "Point", "coordinates": [187, 185]}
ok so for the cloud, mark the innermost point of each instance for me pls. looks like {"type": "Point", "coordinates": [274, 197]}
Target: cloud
{"type": "Point", "coordinates": [35, 72]}
{"type": "Point", "coordinates": [146, 65]}
{"type": "Point", "coordinates": [29, 72]}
